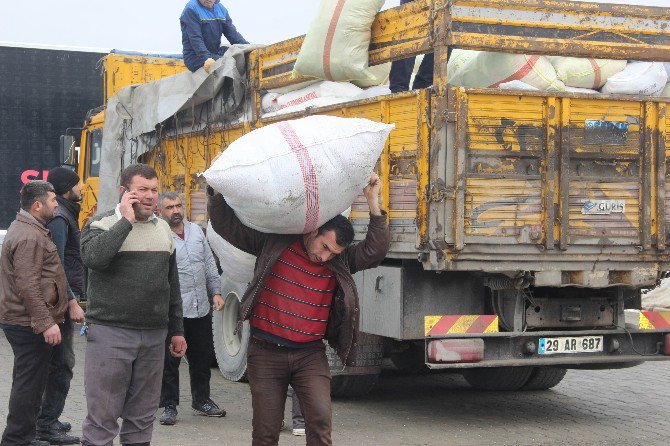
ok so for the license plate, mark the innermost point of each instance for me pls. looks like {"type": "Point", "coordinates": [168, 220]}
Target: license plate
{"type": "Point", "coordinates": [582, 344]}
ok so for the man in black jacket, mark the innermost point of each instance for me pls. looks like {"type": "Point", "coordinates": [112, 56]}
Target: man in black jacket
{"type": "Point", "coordinates": [65, 233]}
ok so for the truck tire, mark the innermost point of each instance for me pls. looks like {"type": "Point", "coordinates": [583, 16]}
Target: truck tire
{"type": "Point", "coordinates": [498, 378]}
{"type": "Point", "coordinates": [230, 348]}
{"type": "Point", "coordinates": [347, 386]}
{"type": "Point", "coordinates": [544, 378]}
{"type": "Point", "coordinates": [359, 379]}
{"type": "Point", "coordinates": [411, 361]}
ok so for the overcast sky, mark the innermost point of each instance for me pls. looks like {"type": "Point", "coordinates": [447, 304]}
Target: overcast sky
{"type": "Point", "coordinates": [153, 25]}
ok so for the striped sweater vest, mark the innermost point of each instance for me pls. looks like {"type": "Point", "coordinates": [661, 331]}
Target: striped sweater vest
{"type": "Point", "coordinates": [295, 302]}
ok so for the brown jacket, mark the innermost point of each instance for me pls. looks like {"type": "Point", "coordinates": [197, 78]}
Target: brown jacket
{"type": "Point", "coordinates": [342, 329]}
{"type": "Point", "coordinates": [33, 287]}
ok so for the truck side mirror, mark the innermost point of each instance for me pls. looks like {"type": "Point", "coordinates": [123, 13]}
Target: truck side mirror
{"type": "Point", "coordinates": [67, 151]}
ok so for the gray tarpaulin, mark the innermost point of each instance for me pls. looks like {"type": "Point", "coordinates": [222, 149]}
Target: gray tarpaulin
{"type": "Point", "coordinates": [133, 115]}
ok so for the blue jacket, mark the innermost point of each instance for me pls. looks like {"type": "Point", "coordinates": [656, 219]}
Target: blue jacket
{"type": "Point", "coordinates": [201, 31]}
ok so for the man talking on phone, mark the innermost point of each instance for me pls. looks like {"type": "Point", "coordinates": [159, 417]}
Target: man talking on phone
{"type": "Point", "coordinates": [134, 302]}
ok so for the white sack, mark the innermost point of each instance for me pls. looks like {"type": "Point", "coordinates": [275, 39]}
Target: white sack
{"type": "Point", "coordinates": [337, 43]}
{"type": "Point", "coordinates": [380, 75]}
{"type": "Point", "coordinates": [272, 102]}
{"type": "Point", "coordinates": [586, 72]}
{"type": "Point", "coordinates": [638, 78]}
{"type": "Point", "coordinates": [666, 91]}
{"type": "Point", "coordinates": [517, 85]}
{"type": "Point", "coordinates": [458, 60]}
{"type": "Point", "coordinates": [490, 69]}
{"type": "Point", "coordinates": [292, 176]}
{"type": "Point", "coordinates": [236, 264]}
{"type": "Point", "coordinates": [657, 299]}
{"type": "Point", "coordinates": [312, 103]}
{"type": "Point", "coordinates": [581, 90]}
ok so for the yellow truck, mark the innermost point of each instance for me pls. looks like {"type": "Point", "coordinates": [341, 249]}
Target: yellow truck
{"type": "Point", "coordinates": [120, 69]}
{"type": "Point", "coordinates": [498, 268]}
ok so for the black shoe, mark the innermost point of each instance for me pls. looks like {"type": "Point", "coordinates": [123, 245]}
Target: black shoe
{"type": "Point", "coordinates": [208, 408]}
{"type": "Point", "coordinates": [63, 426]}
{"type": "Point", "coordinates": [57, 437]}
{"type": "Point", "coordinates": [169, 417]}
{"type": "Point", "coordinates": [39, 443]}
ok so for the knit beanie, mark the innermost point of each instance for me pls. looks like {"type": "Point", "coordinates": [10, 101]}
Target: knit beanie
{"type": "Point", "coordinates": [62, 179]}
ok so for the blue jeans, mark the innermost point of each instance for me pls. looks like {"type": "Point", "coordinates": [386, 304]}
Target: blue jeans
{"type": "Point", "coordinates": [60, 375]}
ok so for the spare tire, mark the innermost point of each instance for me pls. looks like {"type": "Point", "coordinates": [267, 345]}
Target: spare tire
{"type": "Point", "coordinates": [230, 348]}
{"type": "Point", "coordinates": [498, 378]}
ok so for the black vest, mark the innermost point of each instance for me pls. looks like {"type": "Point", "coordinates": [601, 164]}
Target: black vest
{"type": "Point", "coordinates": [74, 266]}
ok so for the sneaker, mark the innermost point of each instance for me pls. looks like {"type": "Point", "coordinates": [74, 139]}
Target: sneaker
{"type": "Point", "coordinates": [208, 408]}
{"type": "Point", "coordinates": [62, 426]}
{"type": "Point", "coordinates": [56, 437]}
{"type": "Point", "coordinates": [299, 432]}
{"type": "Point", "coordinates": [169, 417]}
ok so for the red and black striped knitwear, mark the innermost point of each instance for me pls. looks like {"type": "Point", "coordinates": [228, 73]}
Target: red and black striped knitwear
{"type": "Point", "coordinates": [295, 302]}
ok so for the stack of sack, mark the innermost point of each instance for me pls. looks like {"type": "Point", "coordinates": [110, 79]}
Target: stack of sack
{"type": "Point", "coordinates": [483, 69]}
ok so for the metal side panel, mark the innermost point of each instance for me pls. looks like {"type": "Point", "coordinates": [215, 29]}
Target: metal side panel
{"type": "Point", "coordinates": [380, 292]}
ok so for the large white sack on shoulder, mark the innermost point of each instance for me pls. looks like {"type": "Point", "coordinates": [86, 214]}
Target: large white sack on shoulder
{"type": "Point", "coordinates": [272, 102]}
{"type": "Point", "coordinates": [638, 78]}
{"type": "Point", "coordinates": [666, 91]}
{"type": "Point", "coordinates": [586, 72]}
{"type": "Point", "coordinates": [337, 43]}
{"type": "Point", "coordinates": [490, 69]}
{"type": "Point", "coordinates": [236, 264]}
{"type": "Point", "coordinates": [292, 176]}
{"type": "Point", "coordinates": [517, 85]}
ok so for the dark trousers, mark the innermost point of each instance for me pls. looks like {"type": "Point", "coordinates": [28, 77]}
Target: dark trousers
{"type": "Point", "coordinates": [29, 377]}
{"type": "Point", "coordinates": [198, 334]}
{"type": "Point", "coordinates": [271, 369]}
{"type": "Point", "coordinates": [58, 381]}
{"type": "Point", "coordinates": [401, 71]}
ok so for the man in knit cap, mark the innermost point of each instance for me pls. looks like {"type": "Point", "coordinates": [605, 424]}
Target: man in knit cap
{"type": "Point", "coordinates": [65, 234]}
{"type": "Point", "coordinates": [133, 303]}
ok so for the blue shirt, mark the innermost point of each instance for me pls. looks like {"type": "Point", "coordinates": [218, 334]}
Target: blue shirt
{"type": "Point", "coordinates": [201, 31]}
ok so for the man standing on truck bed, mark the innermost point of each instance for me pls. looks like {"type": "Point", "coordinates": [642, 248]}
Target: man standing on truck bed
{"type": "Point", "coordinates": [133, 304]}
{"type": "Point", "coordinates": [302, 293]}
{"type": "Point", "coordinates": [203, 22]}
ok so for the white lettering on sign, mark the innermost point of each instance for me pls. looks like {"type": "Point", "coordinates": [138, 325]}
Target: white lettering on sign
{"type": "Point", "coordinates": [604, 207]}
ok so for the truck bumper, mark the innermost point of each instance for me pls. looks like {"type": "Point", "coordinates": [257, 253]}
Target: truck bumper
{"type": "Point", "coordinates": [522, 349]}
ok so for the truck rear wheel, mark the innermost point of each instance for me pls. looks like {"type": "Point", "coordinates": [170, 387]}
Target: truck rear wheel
{"type": "Point", "coordinates": [352, 385]}
{"type": "Point", "coordinates": [360, 378]}
{"type": "Point", "coordinates": [230, 348]}
{"type": "Point", "coordinates": [411, 360]}
{"type": "Point", "coordinates": [544, 378]}
{"type": "Point", "coordinates": [498, 378]}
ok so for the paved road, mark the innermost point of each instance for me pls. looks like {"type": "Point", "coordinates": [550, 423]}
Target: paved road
{"type": "Point", "coordinates": [619, 407]}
